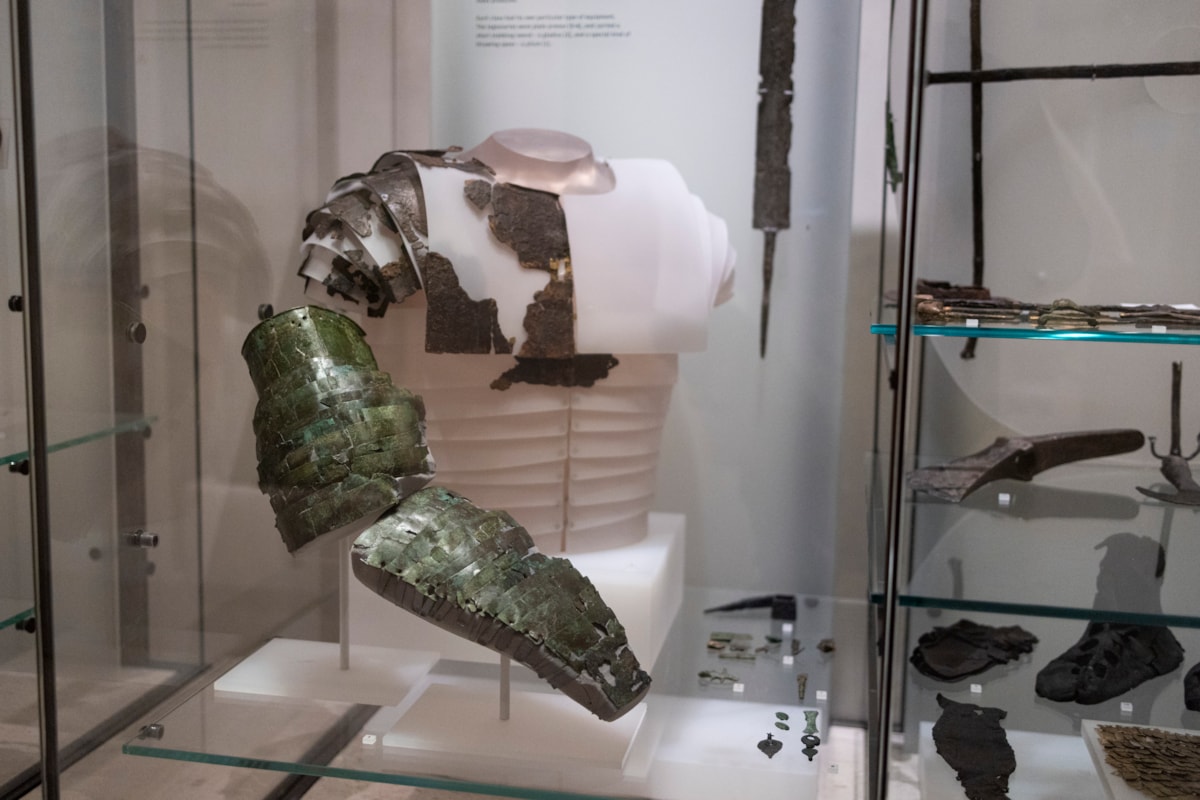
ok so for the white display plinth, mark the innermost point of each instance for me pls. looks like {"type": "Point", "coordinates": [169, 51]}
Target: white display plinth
{"type": "Point", "coordinates": [378, 676]}
{"type": "Point", "coordinates": [668, 747]}
{"type": "Point", "coordinates": [709, 748]}
{"type": "Point", "coordinates": [461, 718]}
{"type": "Point", "coordinates": [1049, 767]}
{"type": "Point", "coordinates": [642, 583]}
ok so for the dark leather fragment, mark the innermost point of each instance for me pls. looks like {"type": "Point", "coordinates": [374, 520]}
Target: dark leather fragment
{"type": "Point", "coordinates": [1111, 658]}
{"type": "Point", "coordinates": [972, 741]}
{"type": "Point", "coordinates": [967, 648]}
{"type": "Point", "coordinates": [1191, 689]}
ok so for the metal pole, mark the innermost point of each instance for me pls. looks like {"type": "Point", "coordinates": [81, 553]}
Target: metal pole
{"type": "Point", "coordinates": [343, 606]}
{"type": "Point", "coordinates": [35, 389]}
{"type": "Point", "coordinates": [505, 686]}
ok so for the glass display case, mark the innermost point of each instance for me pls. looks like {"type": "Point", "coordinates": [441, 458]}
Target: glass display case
{"type": "Point", "coordinates": [100, 575]}
{"type": "Point", "coordinates": [1033, 512]}
{"type": "Point", "coordinates": [167, 171]}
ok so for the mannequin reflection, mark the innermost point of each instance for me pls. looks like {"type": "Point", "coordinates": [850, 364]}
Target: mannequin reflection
{"type": "Point", "coordinates": [574, 464]}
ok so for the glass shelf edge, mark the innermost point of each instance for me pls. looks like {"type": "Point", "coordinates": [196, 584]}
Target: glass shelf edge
{"type": "Point", "coordinates": [16, 618]}
{"type": "Point", "coordinates": [295, 768]}
{"type": "Point", "coordinates": [124, 426]}
{"type": "Point", "coordinates": [1033, 610]}
{"type": "Point", "coordinates": [963, 332]}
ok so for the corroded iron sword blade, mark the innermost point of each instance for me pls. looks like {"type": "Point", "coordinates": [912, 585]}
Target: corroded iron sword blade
{"type": "Point", "coordinates": [772, 177]}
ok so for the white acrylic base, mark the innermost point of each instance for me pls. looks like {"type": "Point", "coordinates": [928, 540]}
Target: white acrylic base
{"type": "Point", "coordinates": [708, 748]}
{"type": "Point", "coordinates": [1049, 767]}
{"type": "Point", "coordinates": [669, 748]}
{"type": "Point", "coordinates": [462, 718]}
{"type": "Point", "coordinates": [642, 583]}
{"type": "Point", "coordinates": [296, 668]}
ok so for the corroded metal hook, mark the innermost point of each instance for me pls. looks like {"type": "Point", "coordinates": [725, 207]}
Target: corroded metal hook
{"type": "Point", "coordinates": [1174, 464]}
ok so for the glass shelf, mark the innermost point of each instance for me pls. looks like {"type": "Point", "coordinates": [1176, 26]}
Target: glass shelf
{"type": "Point", "coordinates": [694, 741]}
{"type": "Point", "coordinates": [74, 430]}
{"type": "Point", "coordinates": [1035, 548]}
{"type": "Point", "coordinates": [1113, 333]}
{"type": "Point", "coordinates": [14, 612]}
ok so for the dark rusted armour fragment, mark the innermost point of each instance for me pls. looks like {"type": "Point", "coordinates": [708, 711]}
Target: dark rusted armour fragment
{"type": "Point", "coordinates": [531, 222]}
{"type": "Point", "coordinates": [550, 322]}
{"type": "Point", "coordinates": [454, 322]}
{"type": "Point", "coordinates": [478, 193]}
{"type": "Point", "coordinates": [582, 370]}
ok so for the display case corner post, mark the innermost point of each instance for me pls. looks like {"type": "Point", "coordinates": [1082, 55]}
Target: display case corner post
{"type": "Point", "coordinates": [35, 384]}
{"type": "Point", "coordinates": [915, 83]}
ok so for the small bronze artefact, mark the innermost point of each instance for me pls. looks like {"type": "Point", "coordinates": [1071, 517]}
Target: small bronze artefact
{"type": "Point", "coordinates": [770, 745]}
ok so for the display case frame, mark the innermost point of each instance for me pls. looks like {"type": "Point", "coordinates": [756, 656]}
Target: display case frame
{"type": "Point", "coordinates": [912, 534]}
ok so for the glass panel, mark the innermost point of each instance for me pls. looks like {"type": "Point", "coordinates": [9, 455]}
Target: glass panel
{"type": "Point", "coordinates": [18, 672]}
{"type": "Point", "coordinates": [90, 428]}
{"type": "Point", "coordinates": [1050, 537]}
{"type": "Point", "coordinates": [286, 97]}
{"type": "Point", "coordinates": [697, 740]}
{"type": "Point", "coordinates": [1047, 185]}
{"type": "Point", "coordinates": [115, 210]}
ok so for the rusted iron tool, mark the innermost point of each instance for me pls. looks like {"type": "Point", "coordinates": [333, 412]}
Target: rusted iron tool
{"type": "Point", "coordinates": [1020, 458]}
{"type": "Point", "coordinates": [772, 178]}
{"type": "Point", "coordinates": [1174, 464]}
{"type": "Point", "coordinates": [783, 606]}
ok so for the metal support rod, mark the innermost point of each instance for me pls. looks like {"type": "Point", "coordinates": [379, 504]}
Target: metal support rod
{"type": "Point", "coordinates": [900, 406]}
{"type": "Point", "coordinates": [505, 686]}
{"type": "Point", "coordinates": [128, 328]}
{"type": "Point", "coordinates": [1176, 393]}
{"type": "Point", "coordinates": [977, 142]}
{"type": "Point", "coordinates": [1085, 72]}
{"type": "Point", "coordinates": [343, 606]}
{"type": "Point", "coordinates": [968, 350]}
{"type": "Point", "coordinates": [35, 388]}
{"type": "Point", "coordinates": [768, 270]}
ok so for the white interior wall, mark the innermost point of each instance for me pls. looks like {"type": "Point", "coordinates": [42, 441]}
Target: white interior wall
{"type": "Point", "coordinates": [751, 450]}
